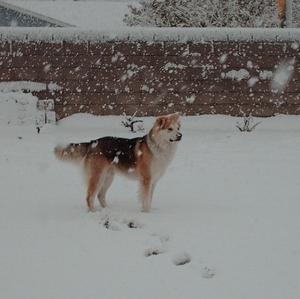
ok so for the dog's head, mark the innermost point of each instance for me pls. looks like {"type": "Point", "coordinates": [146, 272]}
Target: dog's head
{"type": "Point", "coordinates": [167, 128]}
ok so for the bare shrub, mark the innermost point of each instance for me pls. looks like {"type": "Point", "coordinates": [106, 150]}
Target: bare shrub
{"type": "Point", "coordinates": [133, 124]}
{"type": "Point", "coordinates": [247, 125]}
{"type": "Point", "coordinates": [203, 13]}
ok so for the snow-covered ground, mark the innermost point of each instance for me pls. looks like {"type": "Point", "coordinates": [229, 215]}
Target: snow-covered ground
{"type": "Point", "coordinates": [228, 206]}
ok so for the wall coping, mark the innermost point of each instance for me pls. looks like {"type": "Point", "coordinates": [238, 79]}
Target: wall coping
{"type": "Point", "coordinates": [198, 35]}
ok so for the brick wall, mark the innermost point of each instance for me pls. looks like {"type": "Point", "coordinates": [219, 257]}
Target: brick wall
{"type": "Point", "coordinates": [151, 78]}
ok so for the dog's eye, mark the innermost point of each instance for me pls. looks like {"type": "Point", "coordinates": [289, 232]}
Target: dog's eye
{"type": "Point", "coordinates": [170, 129]}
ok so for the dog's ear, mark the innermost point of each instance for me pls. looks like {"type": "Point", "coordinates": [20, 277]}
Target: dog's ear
{"type": "Point", "coordinates": [175, 116]}
{"type": "Point", "coordinates": [161, 122]}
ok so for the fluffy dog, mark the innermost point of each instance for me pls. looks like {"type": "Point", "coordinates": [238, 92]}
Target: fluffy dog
{"type": "Point", "coordinates": [144, 158]}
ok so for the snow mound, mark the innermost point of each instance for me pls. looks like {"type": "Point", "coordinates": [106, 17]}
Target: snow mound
{"type": "Point", "coordinates": [80, 120]}
{"type": "Point", "coordinates": [17, 108]}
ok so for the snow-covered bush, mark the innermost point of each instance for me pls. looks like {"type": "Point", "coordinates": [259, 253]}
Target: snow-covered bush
{"type": "Point", "coordinates": [296, 13]}
{"type": "Point", "coordinates": [290, 16]}
{"type": "Point", "coordinates": [203, 13]}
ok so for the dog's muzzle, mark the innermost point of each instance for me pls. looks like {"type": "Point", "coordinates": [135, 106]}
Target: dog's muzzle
{"type": "Point", "coordinates": [177, 138]}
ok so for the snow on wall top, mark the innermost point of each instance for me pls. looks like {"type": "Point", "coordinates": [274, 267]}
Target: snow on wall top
{"type": "Point", "coordinates": [149, 34]}
{"type": "Point", "coordinates": [13, 86]}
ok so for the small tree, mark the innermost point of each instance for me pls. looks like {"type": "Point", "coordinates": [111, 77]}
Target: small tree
{"type": "Point", "coordinates": [203, 13]}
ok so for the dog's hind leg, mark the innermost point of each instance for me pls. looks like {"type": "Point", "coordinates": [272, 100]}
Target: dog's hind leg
{"type": "Point", "coordinates": [106, 183]}
{"type": "Point", "coordinates": [92, 191]}
{"type": "Point", "coordinates": [96, 174]}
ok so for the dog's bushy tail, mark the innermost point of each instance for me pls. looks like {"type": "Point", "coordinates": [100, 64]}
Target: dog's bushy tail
{"type": "Point", "coordinates": [73, 152]}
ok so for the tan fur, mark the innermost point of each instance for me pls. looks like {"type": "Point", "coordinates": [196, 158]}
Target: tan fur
{"type": "Point", "coordinates": [152, 153]}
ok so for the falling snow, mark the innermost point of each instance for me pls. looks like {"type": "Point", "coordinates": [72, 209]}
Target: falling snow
{"type": "Point", "coordinates": [191, 99]}
{"type": "Point", "coordinates": [252, 81]}
{"type": "Point", "coordinates": [223, 58]}
{"type": "Point", "coordinates": [236, 75]}
{"type": "Point", "coordinates": [283, 75]}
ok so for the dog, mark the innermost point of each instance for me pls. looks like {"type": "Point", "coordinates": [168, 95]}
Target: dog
{"type": "Point", "coordinates": [143, 158]}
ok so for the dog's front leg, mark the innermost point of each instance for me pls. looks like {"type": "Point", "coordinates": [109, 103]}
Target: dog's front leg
{"type": "Point", "coordinates": [146, 191]}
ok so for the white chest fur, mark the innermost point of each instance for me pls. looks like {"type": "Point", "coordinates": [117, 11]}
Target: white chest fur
{"type": "Point", "coordinates": [162, 158]}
